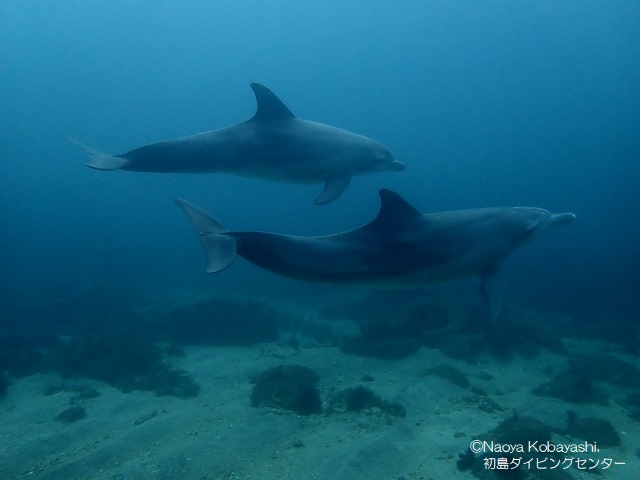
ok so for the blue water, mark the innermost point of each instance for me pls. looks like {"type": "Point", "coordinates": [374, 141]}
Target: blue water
{"type": "Point", "coordinates": [487, 103]}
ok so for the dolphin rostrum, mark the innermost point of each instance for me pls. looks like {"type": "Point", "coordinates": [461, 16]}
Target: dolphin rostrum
{"type": "Point", "coordinates": [400, 248]}
{"type": "Point", "coordinates": [272, 145]}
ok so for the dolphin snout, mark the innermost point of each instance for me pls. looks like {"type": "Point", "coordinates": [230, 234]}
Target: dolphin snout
{"type": "Point", "coordinates": [562, 218]}
{"type": "Point", "coordinates": [398, 166]}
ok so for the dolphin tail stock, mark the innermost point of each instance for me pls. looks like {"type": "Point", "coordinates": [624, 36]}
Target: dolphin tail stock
{"type": "Point", "coordinates": [219, 247]}
{"type": "Point", "coordinates": [99, 160]}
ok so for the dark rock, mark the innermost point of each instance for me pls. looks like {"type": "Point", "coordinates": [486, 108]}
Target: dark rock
{"type": "Point", "coordinates": [163, 380]}
{"type": "Point", "coordinates": [106, 357]}
{"type": "Point", "coordinates": [145, 418]}
{"type": "Point", "coordinates": [513, 430]}
{"type": "Point", "coordinates": [292, 342]}
{"type": "Point", "coordinates": [390, 349]}
{"type": "Point", "coordinates": [474, 338]}
{"type": "Point", "coordinates": [287, 387]}
{"type": "Point", "coordinates": [483, 403]}
{"type": "Point", "coordinates": [466, 461]}
{"type": "Point", "coordinates": [126, 363]}
{"type": "Point", "coordinates": [357, 399]}
{"type": "Point", "coordinates": [571, 387]}
{"type": "Point", "coordinates": [632, 405]}
{"type": "Point", "coordinates": [224, 321]}
{"type": "Point", "coordinates": [516, 429]}
{"type": "Point", "coordinates": [606, 368]}
{"type": "Point", "coordinates": [399, 315]}
{"type": "Point", "coordinates": [21, 360]}
{"type": "Point", "coordinates": [71, 414]}
{"type": "Point", "coordinates": [455, 376]}
{"type": "Point", "coordinates": [632, 399]}
{"type": "Point", "coordinates": [84, 392]}
{"type": "Point", "coordinates": [604, 328]}
{"type": "Point", "coordinates": [594, 430]}
{"type": "Point", "coordinates": [173, 350]}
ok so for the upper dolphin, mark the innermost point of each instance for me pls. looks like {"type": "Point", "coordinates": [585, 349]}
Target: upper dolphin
{"type": "Point", "coordinates": [272, 145]}
{"type": "Point", "coordinates": [400, 248]}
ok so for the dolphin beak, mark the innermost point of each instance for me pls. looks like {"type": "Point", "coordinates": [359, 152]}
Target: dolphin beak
{"type": "Point", "coordinates": [558, 219]}
{"type": "Point", "coordinates": [398, 166]}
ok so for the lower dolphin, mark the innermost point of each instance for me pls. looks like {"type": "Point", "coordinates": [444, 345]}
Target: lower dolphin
{"type": "Point", "coordinates": [400, 248]}
{"type": "Point", "coordinates": [272, 145]}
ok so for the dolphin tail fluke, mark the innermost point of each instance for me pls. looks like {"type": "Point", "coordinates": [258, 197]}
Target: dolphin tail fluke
{"type": "Point", "coordinates": [219, 247]}
{"type": "Point", "coordinates": [100, 160]}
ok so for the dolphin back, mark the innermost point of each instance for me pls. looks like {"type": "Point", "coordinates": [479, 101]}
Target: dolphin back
{"type": "Point", "coordinates": [219, 247]}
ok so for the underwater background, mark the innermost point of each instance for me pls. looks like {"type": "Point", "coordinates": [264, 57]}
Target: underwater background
{"type": "Point", "coordinates": [487, 103]}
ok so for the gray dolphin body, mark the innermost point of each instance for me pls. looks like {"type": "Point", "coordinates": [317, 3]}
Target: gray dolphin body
{"type": "Point", "coordinates": [400, 248]}
{"type": "Point", "coordinates": [273, 145]}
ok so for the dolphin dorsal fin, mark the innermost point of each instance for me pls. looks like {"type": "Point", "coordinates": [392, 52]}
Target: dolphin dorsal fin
{"type": "Point", "coordinates": [270, 107]}
{"type": "Point", "coordinates": [394, 209]}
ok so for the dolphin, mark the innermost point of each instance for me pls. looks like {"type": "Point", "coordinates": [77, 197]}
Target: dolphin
{"type": "Point", "coordinates": [400, 248]}
{"type": "Point", "coordinates": [272, 145]}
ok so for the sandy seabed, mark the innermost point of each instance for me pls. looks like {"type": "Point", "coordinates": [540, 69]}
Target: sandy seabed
{"type": "Point", "coordinates": [219, 435]}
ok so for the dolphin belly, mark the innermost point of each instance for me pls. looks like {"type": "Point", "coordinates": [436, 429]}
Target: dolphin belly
{"type": "Point", "coordinates": [339, 259]}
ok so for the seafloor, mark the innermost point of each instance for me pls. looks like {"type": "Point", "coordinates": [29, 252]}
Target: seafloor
{"type": "Point", "coordinates": [369, 385]}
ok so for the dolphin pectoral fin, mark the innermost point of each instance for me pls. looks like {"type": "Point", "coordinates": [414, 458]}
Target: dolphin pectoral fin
{"type": "Point", "coordinates": [219, 247]}
{"type": "Point", "coordinates": [100, 160]}
{"type": "Point", "coordinates": [492, 287]}
{"type": "Point", "coordinates": [333, 188]}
